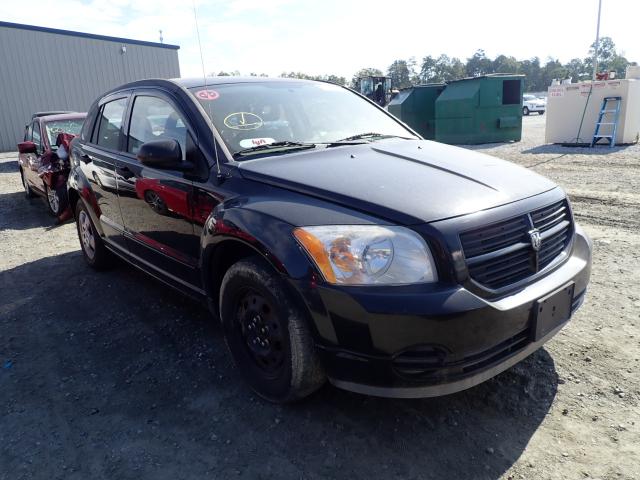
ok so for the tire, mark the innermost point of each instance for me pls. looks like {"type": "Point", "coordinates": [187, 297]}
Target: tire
{"type": "Point", "coordinates": [92, 246]}
{"type": "Point", "coordinates": [525, 111]}
{"type": "Point", "coordinates": [541, 112]}
{"type": "Point", "coordinates": [27, 189]}
{"type": "Point", "coordinates": [53, 200]}
{"type": "Point", "coordinates": [267, 334]}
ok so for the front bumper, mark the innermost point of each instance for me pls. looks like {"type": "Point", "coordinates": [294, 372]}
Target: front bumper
{"type": "Point", "coordinates": [411, 342]}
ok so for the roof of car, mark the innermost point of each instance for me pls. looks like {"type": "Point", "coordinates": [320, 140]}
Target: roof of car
{"type": "Point", "coordinates": [52, 112]}
{"type": "Point", "coordinates": [195, 82]}
{"type": "Point", "coordinates": [63, 116]}
{"type": "Point", "coordinates": [200, 81]}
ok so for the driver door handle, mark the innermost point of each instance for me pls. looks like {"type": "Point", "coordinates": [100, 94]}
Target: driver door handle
{"type": "Point", "coordinates": [86, 158]}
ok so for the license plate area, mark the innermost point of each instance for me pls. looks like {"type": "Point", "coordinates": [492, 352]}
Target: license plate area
{"type": "Point", "coordinates": [552, 310]}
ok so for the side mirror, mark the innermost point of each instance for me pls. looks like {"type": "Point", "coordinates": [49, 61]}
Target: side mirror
{"type": "Point", "coordinates": [27, 147]}
{"type": "Point", "coordinates": [162, 154]}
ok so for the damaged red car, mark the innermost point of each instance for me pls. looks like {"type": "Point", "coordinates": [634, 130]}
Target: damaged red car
{"type": "Point", "coordinates": [44, 157]}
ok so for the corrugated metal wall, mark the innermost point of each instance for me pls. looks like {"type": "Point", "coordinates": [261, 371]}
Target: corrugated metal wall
{"type": "Point", "coordinates": [42, 71]}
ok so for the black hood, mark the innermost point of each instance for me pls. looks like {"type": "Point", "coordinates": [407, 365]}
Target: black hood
{"type": "Point", "coordinates": [405, 181]}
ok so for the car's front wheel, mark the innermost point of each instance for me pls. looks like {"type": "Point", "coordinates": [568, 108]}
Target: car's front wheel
{"type": "Point", "coordinates": [268, 334]}
{"type": "Point", "coordinates": [93, 249]}
{"type": "Point", "coordinates": [541, 112]}
{"type": "Point", "coordinates": [525, 111]}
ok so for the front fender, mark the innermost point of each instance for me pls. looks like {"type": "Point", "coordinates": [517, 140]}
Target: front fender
{"type": "Point", "coordinates": [268, 236]}
{"type": "Point", "coordinates": [273, 240]}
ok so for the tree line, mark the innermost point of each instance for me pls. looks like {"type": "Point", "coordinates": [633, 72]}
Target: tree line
{"type": "Point", "coordinates": [538, 74]}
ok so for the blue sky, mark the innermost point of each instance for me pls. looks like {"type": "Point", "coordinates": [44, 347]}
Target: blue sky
{"type": "Point", "coordinates": [341, 36]}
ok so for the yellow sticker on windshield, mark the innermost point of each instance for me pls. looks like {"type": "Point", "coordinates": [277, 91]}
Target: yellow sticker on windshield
{"type": "Point", "coordinates": [243, 121]}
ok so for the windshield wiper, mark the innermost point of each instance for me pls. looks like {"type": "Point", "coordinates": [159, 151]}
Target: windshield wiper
{"type": "Point", "coordinates": [363, 136]}
{"type": "Point", "coordinates": [274, 146]}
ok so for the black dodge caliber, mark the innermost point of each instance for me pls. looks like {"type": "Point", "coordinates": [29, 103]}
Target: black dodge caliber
{"type": "Point", "coordinates": [330, 239]}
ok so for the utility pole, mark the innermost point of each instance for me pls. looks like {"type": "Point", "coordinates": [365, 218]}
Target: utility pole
{"type": "Point", "coordinates": [595, 51]}
{"type": "Point", "coordinates": [161, 39]}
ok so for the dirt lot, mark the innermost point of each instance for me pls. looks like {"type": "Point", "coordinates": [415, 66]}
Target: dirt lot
{"type": "Point", "coordinates": [113, 375]}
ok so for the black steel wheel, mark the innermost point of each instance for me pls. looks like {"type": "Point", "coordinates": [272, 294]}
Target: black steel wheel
{"type": "Point", "coordinates": [267, 333]}
{"type": "Point", "coordinates": [261, 330]}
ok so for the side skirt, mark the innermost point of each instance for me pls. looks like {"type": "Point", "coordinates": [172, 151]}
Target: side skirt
{"type": "Point", "coordinates": [173, 282]}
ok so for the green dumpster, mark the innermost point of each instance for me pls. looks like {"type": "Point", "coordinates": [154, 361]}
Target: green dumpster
{"type": "Point", "coordinates": [483, 109]}
{"type": "Point", "coordinates": [416, 107]}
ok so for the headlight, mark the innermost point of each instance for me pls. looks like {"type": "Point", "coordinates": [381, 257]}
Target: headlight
{"type": "Point", "coordinates": [368, 254]}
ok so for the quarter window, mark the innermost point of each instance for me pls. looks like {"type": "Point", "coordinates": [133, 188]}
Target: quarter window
{"type": "Point", "coordinates": [153, 118]}
{"type": "Point", "coordinates": [110, 127]}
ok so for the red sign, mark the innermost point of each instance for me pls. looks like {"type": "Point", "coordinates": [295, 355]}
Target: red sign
{"type": "Point", "coordinates": [207, 94]}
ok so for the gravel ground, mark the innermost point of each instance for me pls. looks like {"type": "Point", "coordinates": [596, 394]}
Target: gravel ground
{"type": "Point", "coordinates": [112, 375]}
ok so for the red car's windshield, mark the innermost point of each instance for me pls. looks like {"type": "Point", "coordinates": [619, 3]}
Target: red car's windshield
{"type": "Point", "coordinates": [55, 127]}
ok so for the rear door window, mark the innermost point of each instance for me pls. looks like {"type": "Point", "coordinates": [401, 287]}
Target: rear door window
{"type": "Point", "coordinates": [110, 124]}
{"type": "Point", "coordinates": [153, 118]}
{"type": "Point", "coordinates": [36, 135]}
{"type": "Point", "coordinates": [28, 133]}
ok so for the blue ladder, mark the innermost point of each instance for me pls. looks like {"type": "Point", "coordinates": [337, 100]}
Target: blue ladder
{"type": "Point", "coordinates": [605, 110]}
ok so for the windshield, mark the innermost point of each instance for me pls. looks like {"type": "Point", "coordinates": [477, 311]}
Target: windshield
{"type": "Point", "coordinates": [529, 97]}
{"type": "Point", "coordinates": [55, 127]}
{"type": "Point", "coordinates": [252, 114]}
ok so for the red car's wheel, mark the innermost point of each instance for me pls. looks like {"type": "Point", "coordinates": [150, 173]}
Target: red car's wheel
{"type": "Point", "coordinates": [54, 202]}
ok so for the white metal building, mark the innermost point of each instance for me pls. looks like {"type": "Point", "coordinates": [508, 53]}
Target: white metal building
{"type": "Point", "coordinates": [43, 69]}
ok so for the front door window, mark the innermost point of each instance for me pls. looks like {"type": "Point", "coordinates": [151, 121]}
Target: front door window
{"type": "Point", "coordinates": [153, 118]}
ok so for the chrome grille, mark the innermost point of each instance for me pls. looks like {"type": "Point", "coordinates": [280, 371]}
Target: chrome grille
{"type": "Point", "coordinates": [502, 253]}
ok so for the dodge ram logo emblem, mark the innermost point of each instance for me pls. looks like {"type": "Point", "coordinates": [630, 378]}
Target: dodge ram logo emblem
{"type": "Point", "coordinates": [536, 241]}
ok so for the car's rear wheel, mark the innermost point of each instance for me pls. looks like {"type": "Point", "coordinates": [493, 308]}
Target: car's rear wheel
{"type": "Point", "coordinates": [93, 249]}
{"type": "Point", "coordinates": [27, 189]}
{"type": "Point", "coordinates": [268, 334]}
{"type": "Point", "coordinates": [54, 202]}
{"type": "Point", "coordinates": [541, 112]}
{"type": "Point", "coordinates": [525, 111]}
